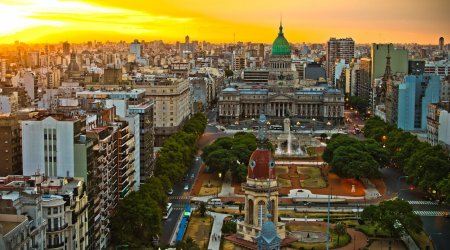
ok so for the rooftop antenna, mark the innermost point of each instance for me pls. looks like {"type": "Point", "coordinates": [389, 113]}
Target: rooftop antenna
{"type": "Point", "coordinates": [234, 37]}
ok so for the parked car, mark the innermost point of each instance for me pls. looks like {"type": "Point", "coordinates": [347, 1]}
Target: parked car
{"type": "Point", "coordinates": [186, 188]}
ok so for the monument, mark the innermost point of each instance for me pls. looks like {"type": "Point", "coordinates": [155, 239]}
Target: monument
{"type": "Point", "coordinates": [288, 145]}
{"type": "Point", "coordinates": [261, 189]}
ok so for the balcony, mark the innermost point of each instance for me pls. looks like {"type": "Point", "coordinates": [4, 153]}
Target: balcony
{"type": "Point", "coordinates": [57, 229]}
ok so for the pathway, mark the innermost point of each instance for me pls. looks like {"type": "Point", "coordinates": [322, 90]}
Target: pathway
{"type": "Point", "coordinates": [214, 243]}
{"type": "Point", "coordinates": [358, 241]}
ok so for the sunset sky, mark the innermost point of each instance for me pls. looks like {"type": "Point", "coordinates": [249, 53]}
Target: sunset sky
{"type": "Point", "coordinates": [217, 21]}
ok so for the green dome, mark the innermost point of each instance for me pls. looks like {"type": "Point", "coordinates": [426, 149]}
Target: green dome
{"type": "Point", "coordinates": [280, 46]}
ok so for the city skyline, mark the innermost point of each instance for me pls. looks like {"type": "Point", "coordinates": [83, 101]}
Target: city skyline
{"type": "Point", "coordinates": [52, 21]}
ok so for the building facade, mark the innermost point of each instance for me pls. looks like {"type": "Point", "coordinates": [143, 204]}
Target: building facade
{"type": "Point", "coordinates": [11, 146]}
{"type": "Point", "coordinates": [338, 49]}
{"type": "Point", "coordinates": [282, 95]}
{"type": "Point", "coordinates": [172, 106]}
{"type": "Point", "coordinates": [414, 96]}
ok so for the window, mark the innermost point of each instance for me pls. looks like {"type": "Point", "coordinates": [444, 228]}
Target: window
{"type": "Point", "coordinates": [55, 210]}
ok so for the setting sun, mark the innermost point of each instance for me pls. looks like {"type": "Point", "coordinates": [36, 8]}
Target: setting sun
{"type": "Point", "coordinates": [220, 21]}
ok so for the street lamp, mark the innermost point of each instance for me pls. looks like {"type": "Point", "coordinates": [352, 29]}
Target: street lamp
{"type": "Point", "coordinates": [383, 139]}
{"type": "Point", "coordinates": [329, 127]}
{"type": "Point", "coordinates": [313, 125]}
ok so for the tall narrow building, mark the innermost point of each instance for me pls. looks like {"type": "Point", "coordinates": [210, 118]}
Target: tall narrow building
{"type": "Point", "coordinates": [261, 189]}
{"type": "Point", "coordinates": [338, 49]}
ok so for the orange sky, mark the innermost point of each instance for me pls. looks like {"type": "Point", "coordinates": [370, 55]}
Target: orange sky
{"type": "Point", "coordinates": [394, 21]}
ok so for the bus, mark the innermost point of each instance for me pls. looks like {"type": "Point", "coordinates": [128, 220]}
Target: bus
{"type": "Point", "coordinates": [276, 127]}
{"type": "Point", "coordinates": [215, 202]}
{"type": "Point", "coordinates": [168, 211]}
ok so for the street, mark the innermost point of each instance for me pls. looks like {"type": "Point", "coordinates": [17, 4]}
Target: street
{"type": "Point", "coordinates": [181, 197]}
{"type": "Point", "coordinates": [430, 212]}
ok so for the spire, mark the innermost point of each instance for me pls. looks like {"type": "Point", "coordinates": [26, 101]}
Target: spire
{"type": "Point", "coordinates": [262, 132]}
{"type": "Point", "coordinates": [281, 28]}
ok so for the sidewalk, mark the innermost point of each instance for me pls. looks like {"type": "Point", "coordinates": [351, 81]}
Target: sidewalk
{"type": "Point", "coordinates": [358, 241]}
{"type": "Point", "coordinates": [214, 243]}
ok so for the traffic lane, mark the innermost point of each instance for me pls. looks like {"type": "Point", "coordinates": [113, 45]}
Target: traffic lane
{"type": "Point", "coordinates": [169, 226]}
{"type": "Point", "coordinates": [438, 228]}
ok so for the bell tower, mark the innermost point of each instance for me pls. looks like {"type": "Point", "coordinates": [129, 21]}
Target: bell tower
{"type": "Point", "coordinates": [260, 188]}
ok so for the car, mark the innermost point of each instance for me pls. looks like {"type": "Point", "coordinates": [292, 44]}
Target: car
{"type": "Point", "coordinates": [192, 176]}
{"type": "Point", "coordinates": [170, 192]}
{"type": "Point", "coordinates": [186, 187]}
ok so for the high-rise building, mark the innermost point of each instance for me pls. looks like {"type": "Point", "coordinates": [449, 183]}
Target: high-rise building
{"type": "Point", "coordinates": [399, 60]}
{"type": "Point", "coordinates": [172, 106]}
{"type": "Point", "coordinates": [66, 48]}
{"type": "Point", "coordinates": [11, 147]}
{"type": "Point", "coordinates": [437, 121]}
{"type": "Point", "coordinates": [363, 83]}
{"type": "Point", "coordinates": [48, 145]}
{"type": "Point", "coordinates": [2, 70]}
{"type": "Point", "coordinates": [441, 43]}
{"type": "Point", "coordinates": [135, 48]}
{"type": "Point", "coordinates": [338, 49]}
{"type": "Point", "coordinates": [414, 95]}
{"type": "Point", "coordinates": [128, 104]}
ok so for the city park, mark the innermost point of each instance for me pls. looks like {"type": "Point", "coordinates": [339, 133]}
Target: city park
{"type": "Point", "coordinates": [310, 169]}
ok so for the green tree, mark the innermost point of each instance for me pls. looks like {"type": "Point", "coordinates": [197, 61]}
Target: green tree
{"type": "Point", "coordinates": [360, 104]}
{"type": "Point", "coordinates": [389, 213]}
{"type": "Point", "coordinates": [228, 73]}
{"type": "Point", "coordinates": [350, 162]}
{"type": "Point", "coordinates": [136, 221]}
{"type": "Point", "coordinates": [221, 160]}
{"type": "Point", "coordinates": [229, 227]}
{"type": "Point", "coordinates": [338, 140]}
{"type": "Point", "coordinates": [187, 244]}
{"type": "Point", "coordinates": [443, 188]}
{"type": "Point", "coordinates": [340, 229]}
{"type": "Point", "coordinates": [202, 209]}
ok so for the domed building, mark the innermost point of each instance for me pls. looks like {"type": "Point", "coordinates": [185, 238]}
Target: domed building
{"type": "Point", "coordinates": [282, 73]}
{"type": "Point", "coordinates": [261, 225]}
{"type": "Point", "coordinates": [73, 71]}
{"type": "Point", "coordinates": [278, 93]}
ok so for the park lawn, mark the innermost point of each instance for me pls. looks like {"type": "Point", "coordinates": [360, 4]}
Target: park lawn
{"type": "Point", "coordinates": [343, 239]}
{"type": "Point", "coordinates": [281, 170]}
{"type": "Point", "coordinates": [315, 179]}
{"type": "Point", "coordinates": [199, 229]}
{"type": "Point", "coordinates": [214, 188]}
{"type": "Point", "coordinates": [227, 245]}
{"type": "Point", "coordinates": [369, 230]}
{"type": "Point", "coordinates": [313, 183]}
{"type": "Point", "coordinates": [284, 182]}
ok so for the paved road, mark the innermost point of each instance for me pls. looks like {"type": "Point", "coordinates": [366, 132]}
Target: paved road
{"type": "Point", "coordinates": [181, 197]}
{"type": "Point", "coordinates": [431, 213]}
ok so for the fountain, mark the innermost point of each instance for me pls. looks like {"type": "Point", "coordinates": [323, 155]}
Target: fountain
{"type": "Point", "coordinates": [290, 139]}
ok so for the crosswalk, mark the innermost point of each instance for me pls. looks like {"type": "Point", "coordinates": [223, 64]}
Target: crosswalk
{"type": "Point", "coordinates": [430, 213]}
{"type": "Point", "coordinates": [423, 202]}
